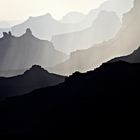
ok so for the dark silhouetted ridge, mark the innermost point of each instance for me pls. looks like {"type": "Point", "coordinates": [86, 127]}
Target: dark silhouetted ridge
{"type": "Point", "coordinates": [36, 69]}
{"type": "Point", "coordinates": [34, 78]}
{"type": "Point", "coordinates": [89, 104]}
{"type": "Point", "coordinates": [5, 34]}
{"type": "Point", "coordinates": [132, 58]}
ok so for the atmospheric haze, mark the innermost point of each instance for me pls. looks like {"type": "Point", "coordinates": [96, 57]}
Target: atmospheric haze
{"type": "Point", "coordinates": [21, 9]}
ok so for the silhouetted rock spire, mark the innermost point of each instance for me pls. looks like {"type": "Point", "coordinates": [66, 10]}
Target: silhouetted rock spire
{"type": "Point", "coordinates": [10, 34]}
{"type": "Point", "coordinates": [28, 31]}
{"type": "Point", "coordinates": [7, 35]}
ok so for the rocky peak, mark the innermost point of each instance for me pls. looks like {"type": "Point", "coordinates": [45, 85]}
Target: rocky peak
{"type": "Point", "coordinates": [28, 31]}
{"type": "Point", "coordinates": [5, 34]}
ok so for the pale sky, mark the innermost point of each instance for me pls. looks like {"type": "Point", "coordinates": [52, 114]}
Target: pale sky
{"type": "Point", "coordinates": [21, 9]}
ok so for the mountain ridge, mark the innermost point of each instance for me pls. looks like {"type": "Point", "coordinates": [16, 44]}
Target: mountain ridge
{"type": "Point", "coordinates": [131, 58]}
{"type": "Point", "coordinates": [103, 28]}
{"type": "Point", "coordinates": [125, 41]}
{"type": "Point", "coordinates": [27, 50]}
{"type": "Point", "coordinates": [34, 78]}
{"type": "Point", "coordinates": [83, 103]}
{"type": "Point", "coordinates": [58, 28]}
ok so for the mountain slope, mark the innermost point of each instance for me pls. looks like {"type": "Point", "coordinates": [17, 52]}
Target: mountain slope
{"type": "Point", "coordinates": [104, 27]}
{"type": "Point", "coordinates": [4, 30]}
{"type": "Point", "coordinates": [125, 42]}
{"type": "Point", "coordinates": [45, 26]}
{"type": "Point", "coordinates": [132, 58]}
{"type": "Point", "coordinates": [32, 79]}
{"type": "Point", "coordinates": [24, 51]}
{"type": "Point", "coordinates": [11, 73]}
{"type": "Point", "coordinates": [82, 106]}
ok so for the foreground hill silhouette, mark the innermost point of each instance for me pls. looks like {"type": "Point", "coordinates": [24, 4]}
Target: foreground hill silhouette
{"type": "Point", "coordinates": [34, 78]}
{"type": "Point", "coordinates": [22, 52]}
{"type": "Point", "coordinates": [97, 103]}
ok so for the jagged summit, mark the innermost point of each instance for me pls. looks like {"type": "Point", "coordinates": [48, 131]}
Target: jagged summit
{"type": "Point", "coordinates": [24, 51]}
{"type": "Point", "coordinates": [28, 31]}
{"type": "Point", "coordinates": [36, 69]}
{"type": "Point", "coordinates": [9, 34]}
